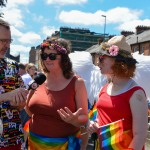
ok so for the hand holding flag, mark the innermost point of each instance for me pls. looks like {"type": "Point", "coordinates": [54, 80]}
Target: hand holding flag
{"type": "Point", "coordinates": [110, 136]}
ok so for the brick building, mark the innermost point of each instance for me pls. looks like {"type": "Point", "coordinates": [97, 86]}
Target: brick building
{"type": "Point", "coordinates": [139, 41]}
{"type": "Point", "coordinates": [80, 38]}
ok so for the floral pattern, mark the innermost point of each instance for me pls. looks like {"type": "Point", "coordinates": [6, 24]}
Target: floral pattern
{"type": "Point", "coordinates": [113, 50]}
{"type": "Point", "coordinates": [54, 46]}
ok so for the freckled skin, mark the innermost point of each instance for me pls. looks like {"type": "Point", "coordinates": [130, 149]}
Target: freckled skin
{"type": "Point", "coordinates": [139, 97]}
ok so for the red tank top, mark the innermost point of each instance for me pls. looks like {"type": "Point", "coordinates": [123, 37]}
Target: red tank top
{"type": "Point", "coordinates": [44, 105]}
{"type": "Point", "coordinates": [113, 108]}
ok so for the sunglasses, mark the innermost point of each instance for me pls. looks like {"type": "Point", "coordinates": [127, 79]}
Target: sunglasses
{"type": "Point", "coordinates": [101, 59]}
{"type": "Point", "coordinates": [51, 56]}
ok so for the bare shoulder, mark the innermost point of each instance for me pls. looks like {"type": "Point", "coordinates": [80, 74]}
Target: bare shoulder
{"type": "Point", "coordinates": [79, 82]}
{"type": "Point", "coordinates": [138, 95]}
{"type": "Point", "coordinates": [79, 79]}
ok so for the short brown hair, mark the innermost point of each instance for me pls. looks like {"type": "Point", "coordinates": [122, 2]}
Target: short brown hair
{"type": "Point", "coordinates": [65, 62]}
{"type": "Point", "coordinates": [124, 70]}
{"type": "Point", "coordinates": [22, 66]}
{"type": "Point", "coordinates": [4, 24]}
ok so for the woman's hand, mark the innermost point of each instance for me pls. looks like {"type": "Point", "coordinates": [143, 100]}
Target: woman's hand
{"type": "Point", "coordinates": [92, 127]}
{"type": "Point", "coordinates": [68, 116]}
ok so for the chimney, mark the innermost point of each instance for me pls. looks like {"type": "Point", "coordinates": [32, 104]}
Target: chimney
{"type": "Point", "coordinates": [140, 29]}
{"type": "Point", "coordinates": [126, 33]}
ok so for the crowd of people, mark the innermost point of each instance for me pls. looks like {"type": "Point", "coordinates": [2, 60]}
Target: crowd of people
{"type": "Point", "coordinates": [56, 113]}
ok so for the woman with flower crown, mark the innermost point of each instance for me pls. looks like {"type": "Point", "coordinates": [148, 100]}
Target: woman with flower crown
{"type": "Point", "coordinates": [58, 107]}
{"type": "Point", "coordinates": [122, 104]}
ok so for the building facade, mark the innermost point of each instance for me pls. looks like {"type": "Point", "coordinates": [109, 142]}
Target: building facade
{"type": "Point", "coordinates": [81, 39]}
{"type": "Point", "coordinates": [140, 40]}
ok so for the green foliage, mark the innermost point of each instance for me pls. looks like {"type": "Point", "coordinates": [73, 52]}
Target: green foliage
{"type": "Point", "coordinates": [3, 3]}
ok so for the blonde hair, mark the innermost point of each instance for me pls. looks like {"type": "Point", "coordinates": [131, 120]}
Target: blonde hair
{"type": "Point", "coordinates": [28, 66]}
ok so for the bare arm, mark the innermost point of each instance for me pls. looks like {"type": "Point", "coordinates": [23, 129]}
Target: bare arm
{"type": "Point", "coordinates": [16, 97]}
{"type": "Point", "coordinates": [139, 109]}
{"type": "Point", "coordinates": [81, 101]}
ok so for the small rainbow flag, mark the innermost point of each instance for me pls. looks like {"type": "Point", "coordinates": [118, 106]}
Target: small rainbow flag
{"type": "Point", "coordinates": [93, 113]}
{"type": "Point", "coordinates": [110, 136]}
{"type": "Point", "coordinates": [26, 126]}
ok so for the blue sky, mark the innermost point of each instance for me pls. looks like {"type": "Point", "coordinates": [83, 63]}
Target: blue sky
{"type": "Point", "coordinates": [33, 20]}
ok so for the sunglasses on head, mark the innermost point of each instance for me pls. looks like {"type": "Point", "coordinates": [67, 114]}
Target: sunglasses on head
{"type": "Point", "coordinates": [51, 56]}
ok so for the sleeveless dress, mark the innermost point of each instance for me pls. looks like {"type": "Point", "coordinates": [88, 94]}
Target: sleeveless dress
{"type": "Point", "coordinates": [47, 130]}
{"type": "Point", "coordinates": [113, 108]}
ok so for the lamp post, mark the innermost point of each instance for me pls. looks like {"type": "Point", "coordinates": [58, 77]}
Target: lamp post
{"type": "Point", "coordinates": [104, 26]}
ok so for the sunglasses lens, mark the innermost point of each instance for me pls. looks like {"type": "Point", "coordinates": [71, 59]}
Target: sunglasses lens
{"type": "Point", "coordinates": [101, 59]}
{"type": "Point", "coordinates": [44, 56]}
{"type": "Point", "coordinates": [51, 56]}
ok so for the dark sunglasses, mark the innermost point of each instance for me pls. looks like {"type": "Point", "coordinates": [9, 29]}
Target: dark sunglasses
{"type": "Point", "coordinates": [101, 59]}
{"type": "Point", "coordinates": [51, 56]}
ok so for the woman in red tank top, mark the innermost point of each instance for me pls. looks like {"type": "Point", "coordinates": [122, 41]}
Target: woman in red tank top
{"type": "Point", "coordinates": [122, 105]}
{"type": "Point", "coordinates": [58, 107]}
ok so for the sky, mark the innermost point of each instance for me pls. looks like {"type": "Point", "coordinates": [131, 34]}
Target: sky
{"type": "Point", "coordinates": [33, 20]}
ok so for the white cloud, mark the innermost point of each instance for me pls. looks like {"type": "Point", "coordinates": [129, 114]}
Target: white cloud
{"type": "Point", "coordinates": [115, 15]}
{"type": "Point", "coordinates": [39, 18]}
{"type": "Point", "coordinates": [122, 14]}
{"type": "Point", "coordinates": [29, 38]}
{"type": "Point", "coordinates": [15, 32]}
{"type": "Point", "coordinates": [130, 26]}
{"type": "Point", "coordinates": [49, 30]}
{"type": "Point", "coordinates": [84, 19]}
{"type": "Point", "coordinates": [13, 12]}
{"type": "Point", "coordinates": [14, 3]}
{"type": "Point", "coordinates": [124, 18]}
{"type": "Point", "coordinates": [14, 16]}
{"type": "Point", "coordinates": [22, 50]}
{"type": "Point", "coordinates": [66, 2]}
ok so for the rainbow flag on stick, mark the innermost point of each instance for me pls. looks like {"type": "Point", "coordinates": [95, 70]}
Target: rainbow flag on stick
{"type": "Point", "coordinates": [93, 113]}
{"type": "Point", "coordinates": [110, 136]}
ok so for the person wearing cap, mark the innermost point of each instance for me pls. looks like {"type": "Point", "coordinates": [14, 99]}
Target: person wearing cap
{"type": "Point", "coordinates": [122, 98]}
{"type": "Point", "coordinates": [59, 106]}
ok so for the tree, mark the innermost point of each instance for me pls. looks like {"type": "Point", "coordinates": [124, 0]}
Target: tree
{"type": "Point", "coordinates": [3, 3]}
